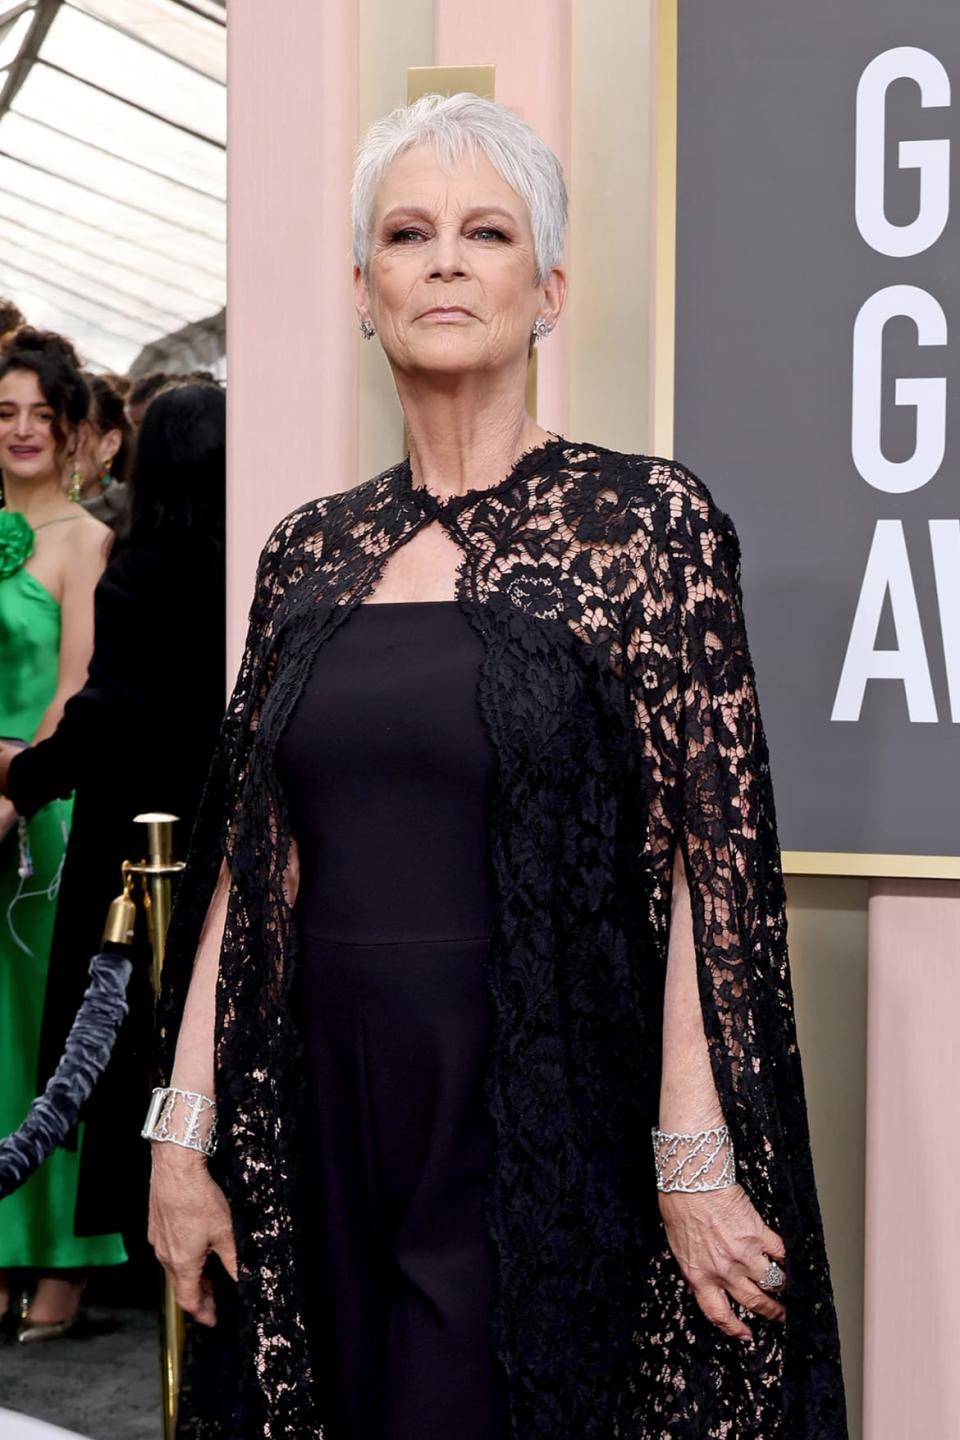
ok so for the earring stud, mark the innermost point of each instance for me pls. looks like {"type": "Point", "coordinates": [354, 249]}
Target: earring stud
{"type": "Point", "coordinates": [366, 329]}
{"type": "Point", "coordinates": [541, 328]}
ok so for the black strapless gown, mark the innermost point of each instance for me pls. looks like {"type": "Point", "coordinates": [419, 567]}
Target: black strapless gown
{"type": "Point", "coordinates": [389, 773]}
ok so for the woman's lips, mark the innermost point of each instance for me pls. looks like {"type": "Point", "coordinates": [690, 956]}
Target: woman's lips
{"type": "Point", "coordinates": [452, 313]}
{"type": "Point", "coordinates": [24, 449]}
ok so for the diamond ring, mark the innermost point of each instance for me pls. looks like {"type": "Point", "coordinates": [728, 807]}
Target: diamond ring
{"type": "Point", "coordinates": [774, 1279]}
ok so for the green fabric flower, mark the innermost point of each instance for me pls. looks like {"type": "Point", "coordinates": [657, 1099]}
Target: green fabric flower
{"type": "Point", "coordinates": [16, 542]}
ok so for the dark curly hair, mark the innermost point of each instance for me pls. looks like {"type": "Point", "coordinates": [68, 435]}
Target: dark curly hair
{"type": "Point", "coordinates": [10, 316]}
{"type": "Point", "coordinates": [56, 365]}
{"type": "Point", "coordinates": [108, 412]}
{"type": "Point", "coordinates": [144, 387]}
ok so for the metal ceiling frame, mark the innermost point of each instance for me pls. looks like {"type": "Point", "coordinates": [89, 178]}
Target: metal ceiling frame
{"type": "Point", "coordinates": [117, 321]}
{"type": "Point", "coordinates": [46, 13]}
{"type": "Point", "coordinates": [68, 270]}
{"type": "Point", "coordinates": [76, 294]}
{"type": "Point", "coordinates": [102, 230]}
{"type": "Point", "coordinates": [197, 10]}
{"type": "Point", "coordinates": [97, 255]}
{"type": "Point", "coordinates": [140, 40]}
{"type": "Point", "coordinates": [114, 199]}
{"type": "Point", "coordinates": [134, 104]}
{"type": "Point", "coordinates": [123, 159]}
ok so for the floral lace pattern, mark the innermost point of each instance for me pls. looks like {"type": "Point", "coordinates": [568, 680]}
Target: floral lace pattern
{"type": "Point", "coordinates": [618, 690]}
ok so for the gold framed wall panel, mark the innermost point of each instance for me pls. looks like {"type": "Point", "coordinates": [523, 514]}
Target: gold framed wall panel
{"type": "Point", "coordinates": [795, 862]}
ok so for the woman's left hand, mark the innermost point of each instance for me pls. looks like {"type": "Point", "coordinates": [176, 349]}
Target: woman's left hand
{"type": "Point", "coordinates": [723, 1248]}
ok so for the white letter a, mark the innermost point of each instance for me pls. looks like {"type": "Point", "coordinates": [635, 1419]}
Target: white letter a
{"type": "Point", "coordinates": [888, 567]}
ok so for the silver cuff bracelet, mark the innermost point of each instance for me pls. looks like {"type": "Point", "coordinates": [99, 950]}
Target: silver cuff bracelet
{"type": "Point", "coordinates": [183, 1118]}
{"type": "Point", "coordinates": [691, 1163]}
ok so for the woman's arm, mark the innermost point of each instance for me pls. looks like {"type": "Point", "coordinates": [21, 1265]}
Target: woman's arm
{"type": "Point", "coordinates": [189, 1214]}
{"type": "Point", "coordinates": [87, 561]}
{"type": "Point", "coordinates": [193, 1063]}
{"type": "Point", "coordinates": [717, 1236]}
{"type": "Point", "coordinates": [688, 1095]}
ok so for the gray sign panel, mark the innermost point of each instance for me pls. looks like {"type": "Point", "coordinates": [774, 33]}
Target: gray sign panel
{"type": "Point", "coordinates": [818, 391]}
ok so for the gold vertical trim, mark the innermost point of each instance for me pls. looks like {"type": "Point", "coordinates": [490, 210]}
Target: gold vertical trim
{"type": "Point", "coordinates": [450, 80]}
{"type": "Point", "coordinates": [665, 230]}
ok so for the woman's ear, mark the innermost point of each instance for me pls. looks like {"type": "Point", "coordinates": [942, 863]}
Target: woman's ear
{"type": "Point", "coordinates": [78, 439]}
{"type": "Point", "coordinates": [361, 294]}
{"type": "Point", "coordinates": [554, 294]}
{"type": "Point", "coordinates": [109, 446]}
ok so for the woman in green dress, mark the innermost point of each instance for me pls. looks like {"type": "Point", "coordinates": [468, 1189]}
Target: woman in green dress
{"type": "Point", "coordinates": [52, 553]}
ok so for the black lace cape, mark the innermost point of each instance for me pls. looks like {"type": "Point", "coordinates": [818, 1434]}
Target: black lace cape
{"type": "Point", "coordinates": [619, 693]}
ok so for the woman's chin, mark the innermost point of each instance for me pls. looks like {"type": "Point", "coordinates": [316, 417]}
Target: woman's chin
{"type": "Point", "coordinates": [24, 473]}
{"type": "Point", "coordinates": [450, 355]}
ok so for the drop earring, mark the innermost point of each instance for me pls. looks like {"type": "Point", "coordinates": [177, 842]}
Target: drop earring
{"type": "Point", "coordinates": [366, 329]}
{"type": "Point", "coordinates": [541, 328]}
{"type": "Point", "coordinates": [75, 493]}
{"type": "Point", "coordinates": [105, 479]}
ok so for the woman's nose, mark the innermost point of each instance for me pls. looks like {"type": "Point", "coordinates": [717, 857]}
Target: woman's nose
{"type": "Point", "coordinates": [23, 427]}
{"type": "Point", "coordinates": [447, 260]}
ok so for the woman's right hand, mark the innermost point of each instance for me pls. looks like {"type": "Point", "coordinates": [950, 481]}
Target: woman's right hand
{"type": "Point", "coordinates": [189, 1220]}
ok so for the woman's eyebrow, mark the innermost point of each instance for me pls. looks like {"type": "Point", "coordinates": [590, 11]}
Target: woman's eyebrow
{"type": "Point", "coordinates": [410, 212]}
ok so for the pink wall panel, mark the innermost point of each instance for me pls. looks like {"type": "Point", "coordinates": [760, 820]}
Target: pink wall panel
{"type": "Point", "coordinates": [292, 339]}
{"type": "Point", "coordinates": [912, 1330]}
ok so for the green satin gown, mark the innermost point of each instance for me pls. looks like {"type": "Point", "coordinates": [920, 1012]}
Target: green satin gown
{"type": "Point", "coordinates": [36, 1221]}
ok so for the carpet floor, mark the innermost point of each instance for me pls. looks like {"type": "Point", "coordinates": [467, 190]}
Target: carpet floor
{"type": "Point", "coordinates": [102, 1380]}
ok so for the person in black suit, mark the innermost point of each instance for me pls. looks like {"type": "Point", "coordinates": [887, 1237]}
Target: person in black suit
{"type": "Point", "coordinates": [138, 736]}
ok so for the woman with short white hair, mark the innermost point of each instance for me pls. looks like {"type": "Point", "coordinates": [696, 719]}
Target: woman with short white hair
{"type": "Point", "coordinates": [484, 897]}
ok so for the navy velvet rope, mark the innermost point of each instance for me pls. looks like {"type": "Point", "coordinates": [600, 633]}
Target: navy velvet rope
{"type": "Point", "coordinates": [53, 1114]}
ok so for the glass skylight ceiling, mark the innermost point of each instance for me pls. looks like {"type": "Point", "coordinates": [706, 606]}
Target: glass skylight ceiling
{"type": "Point", "coordinates": [113, 169]}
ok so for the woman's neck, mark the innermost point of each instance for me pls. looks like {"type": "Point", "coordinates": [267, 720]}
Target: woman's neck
{"type": "Point", "coordinates": [464, 440]}
{"type": "Point", "coordinates": [39, 499]}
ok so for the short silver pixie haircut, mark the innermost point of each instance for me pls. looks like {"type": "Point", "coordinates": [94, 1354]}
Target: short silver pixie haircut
{"type": "Point", "coordinates": [460, 123]}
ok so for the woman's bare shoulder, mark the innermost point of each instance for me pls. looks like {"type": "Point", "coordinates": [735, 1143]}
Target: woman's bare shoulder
{"type": "Point", "coordinates": [92, 529]}
{"type": "Point", "coordinates": [78, 540]}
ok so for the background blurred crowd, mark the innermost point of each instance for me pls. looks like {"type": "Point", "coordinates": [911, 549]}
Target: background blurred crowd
{"type": "Point", "coordinates": [112, 663]}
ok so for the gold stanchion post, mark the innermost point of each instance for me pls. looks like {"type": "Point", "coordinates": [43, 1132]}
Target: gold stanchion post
{"type": "Point", "coordinates": [156, 873]}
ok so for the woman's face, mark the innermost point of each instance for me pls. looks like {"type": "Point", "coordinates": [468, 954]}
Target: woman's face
{"type": "Point", "coordinates": [450, 284]}
{"type": "Point", "coordinates": [28, 443]}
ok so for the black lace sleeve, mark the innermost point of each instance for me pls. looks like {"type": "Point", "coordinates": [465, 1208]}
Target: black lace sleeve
{"type": "Point", "coordinates": [711, 793]}
{"type": "Point", "coordinates": [727, 822]}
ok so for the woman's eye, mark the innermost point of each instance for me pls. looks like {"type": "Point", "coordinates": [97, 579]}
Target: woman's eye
{"type": "Point", "coordinates": [405, 235]}
{"type": "Point", "coordinates": [485, 232]}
